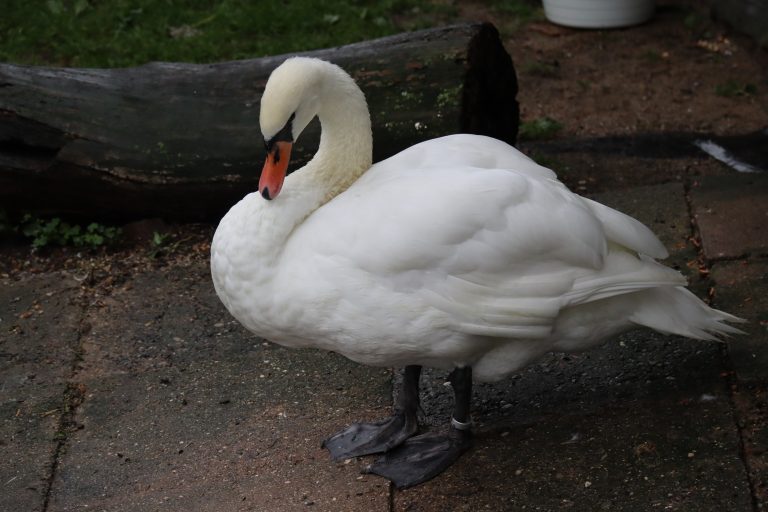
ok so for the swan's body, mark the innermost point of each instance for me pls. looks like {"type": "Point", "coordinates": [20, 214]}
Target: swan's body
{"type": "Point", "coordinates": [457, 252]}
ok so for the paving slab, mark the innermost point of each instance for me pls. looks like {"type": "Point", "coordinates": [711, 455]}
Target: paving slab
{"type": "Point", "coordinates": [185, 410]}
{"type": "Point", "coordinates": [664, 209]}
{"type": "Point", "coordinates": [732, 214]}
{"type": "Point", "coordinates": [587, 171]}
{"type": "Point", "coordinates": [39, 331]}
{"type": "Point", "coordinates": [742, 288]}
{"type": "Point", "coordinates": [751, 403]}
{"type": "Point", "coordinates": [642, 423]}
{"type": "Point", "coordinates": [590, 166]}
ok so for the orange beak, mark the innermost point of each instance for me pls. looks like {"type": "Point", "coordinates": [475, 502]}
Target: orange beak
{"type": "Point", "coordinates": [275, 167]}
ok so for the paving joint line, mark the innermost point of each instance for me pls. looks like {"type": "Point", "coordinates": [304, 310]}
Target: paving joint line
{"type": "Point", "coordinates": [743, 257]}
{"type": "Point", "coordinates": [705, 267]}
{"type": "Point", "coordinates": [73, 397]}
{"type": "Point", "coordinates": [393, 397]}
{"type": "Point", "coordinates": [733, 384]}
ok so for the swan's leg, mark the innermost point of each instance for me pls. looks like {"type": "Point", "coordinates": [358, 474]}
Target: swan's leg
{"type": "Point", "coordinates": [424, 457]}
{"type": "Point", "coordinates": [367, 438]}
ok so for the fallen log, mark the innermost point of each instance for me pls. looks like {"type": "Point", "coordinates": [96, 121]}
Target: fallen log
{"type": "Point", "coordinates": [182, 141]}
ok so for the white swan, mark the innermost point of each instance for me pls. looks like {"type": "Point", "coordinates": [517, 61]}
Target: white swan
{"type": "Point", "coordinates": [458, 253]}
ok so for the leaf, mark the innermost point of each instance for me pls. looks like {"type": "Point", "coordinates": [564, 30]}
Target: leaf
{"type": "Point", "coordinates": [55, 6]}
{"type": "Point", "coordinates": [40, 241]}
{"type": "Point", "coordinates": [80, 6]}
{"type": "Point", "coordinates": [158, 239]}
{"type": "Point", "coordinates": [52, 224]}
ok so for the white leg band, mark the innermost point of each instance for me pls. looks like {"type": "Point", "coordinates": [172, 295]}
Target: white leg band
{"type": "Point", "coordinates": [459, 425]}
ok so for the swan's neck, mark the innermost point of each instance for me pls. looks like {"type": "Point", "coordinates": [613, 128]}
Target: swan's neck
{"type": "Point", "coordinates": [345, 150]}
{"type": "Point", "coordinates": [344, 154]}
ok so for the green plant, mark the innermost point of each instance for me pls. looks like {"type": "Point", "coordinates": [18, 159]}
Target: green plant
{"type": "Point", "coordinates": [518, 11]}
{"type": "Point", "coordinates": [539, 128]}
{"type": "Point", "coordinates": [698, 22]}
{"type": "Point", "coordinates": [731, 89]}
{"type": "Point", "coordinates": [54, 231]}
{"type": "Point", "coordinates": [544, 69]}
{"type": "Point", "coordinates": [160, 245]}
{"type": "Point", "coordinates": [450, 97]}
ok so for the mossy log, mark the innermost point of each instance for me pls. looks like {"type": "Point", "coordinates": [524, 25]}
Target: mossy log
{"type": "Point", "coordinates": [182, 141]}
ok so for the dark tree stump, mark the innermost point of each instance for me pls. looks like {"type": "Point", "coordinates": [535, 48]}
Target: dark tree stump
{"type": "Point", "coordinates": [182, 141]}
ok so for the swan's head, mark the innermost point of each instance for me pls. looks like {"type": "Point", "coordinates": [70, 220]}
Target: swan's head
{"type": "Point", "coordinates": [289, 102]}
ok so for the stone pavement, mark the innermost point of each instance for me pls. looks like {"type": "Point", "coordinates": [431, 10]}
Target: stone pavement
{"type": "Point", "coordinates": [145, 395]}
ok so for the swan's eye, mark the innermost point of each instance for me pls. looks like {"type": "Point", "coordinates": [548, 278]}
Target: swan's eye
{"type": "Point", "coordinates": [284, 135]}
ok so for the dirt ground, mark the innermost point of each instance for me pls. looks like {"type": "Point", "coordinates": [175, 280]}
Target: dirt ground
{"type": "Point", "coordinates": [680, 72]}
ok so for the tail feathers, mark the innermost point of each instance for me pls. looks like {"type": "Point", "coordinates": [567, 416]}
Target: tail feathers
{"type": "Point", "coordinates": [675, 310]}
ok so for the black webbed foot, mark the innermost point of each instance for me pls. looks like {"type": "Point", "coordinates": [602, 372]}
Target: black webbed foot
{"type": "Point", "coordinates": [368, 438]}
{"type": "Point", "coordinates": [422, 458]}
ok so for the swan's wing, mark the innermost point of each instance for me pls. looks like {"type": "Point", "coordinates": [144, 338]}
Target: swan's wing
{"type": "Point", "coordinates": [499, 251]}
{"type": "Point", "coordinates": [626, 231]}
{"type": "Point", "coordinates": [456, 151]}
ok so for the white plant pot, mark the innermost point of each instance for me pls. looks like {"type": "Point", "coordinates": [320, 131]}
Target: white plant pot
{"type": "Point", "coordinates": [598, 13]}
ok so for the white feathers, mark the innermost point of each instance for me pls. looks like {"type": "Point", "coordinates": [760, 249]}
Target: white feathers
{"type": "Point", "coordinates": [678, 311]}
{"type": "Point", "coordinates": [626, 231]}
{"type": "Point", "coordinates": [459, 250]}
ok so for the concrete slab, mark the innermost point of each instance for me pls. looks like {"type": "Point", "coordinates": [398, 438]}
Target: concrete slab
{"type": "Point", "coordinates": [663, 208]}
{"type": "Point", "coordinates": [184, 410]}
{"type": "Point", "coordinates": [638, 424]}
{"type": "Point", "coordinates": [596, 172]}
{"type": "Point", "coordinates": [39, 322]}
{"type": "Point", "coordinates": [732, 214]}
{"type": "Point", "coordinates": [751, 403]}
{"type": "Point", "coordinates": [590, 166]}
{"type": "Point", "coordinates": [742, 289]}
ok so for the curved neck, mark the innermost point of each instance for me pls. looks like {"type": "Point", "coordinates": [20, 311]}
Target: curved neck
{"type": "Point", "coordinates": [346, 143]}
{"type": "Point", "coordinates": [344, 154]}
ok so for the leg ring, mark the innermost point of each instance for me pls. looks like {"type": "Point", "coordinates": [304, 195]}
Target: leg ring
{"type": "Point", "coordinates": [458, 425]}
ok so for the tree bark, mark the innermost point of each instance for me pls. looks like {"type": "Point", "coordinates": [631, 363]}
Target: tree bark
{"type": "Point", "coordinates": [182, 141]}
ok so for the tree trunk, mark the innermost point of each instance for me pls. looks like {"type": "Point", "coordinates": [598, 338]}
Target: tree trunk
{"type": "Point", "coordinates": [182, 141]}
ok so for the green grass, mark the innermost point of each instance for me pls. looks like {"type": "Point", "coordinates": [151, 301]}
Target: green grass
{"type": "Point", "coordinates": [515, 13]}
{"type": "Point", "coordinates": [116, 33]}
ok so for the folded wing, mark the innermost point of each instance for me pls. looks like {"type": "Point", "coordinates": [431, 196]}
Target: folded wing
{"type": "Point", "coordinates": [482, 233]}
